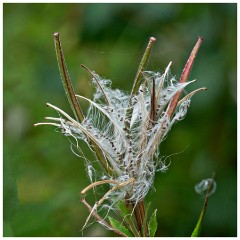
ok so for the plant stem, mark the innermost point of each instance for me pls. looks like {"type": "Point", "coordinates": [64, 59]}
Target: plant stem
{"type": "Point", "coordinates": [142, 65]}
{"type": "Point", "coordinates": [99, 219]}
{"type": "Point", "coordinates": [139, 212]}
{"type": "Point", "coordinates": [184, 77]}
{"type": "Point", "coordinates": [197, 229]}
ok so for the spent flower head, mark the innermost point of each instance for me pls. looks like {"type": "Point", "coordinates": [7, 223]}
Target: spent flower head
{"type": "Point", "coordinates": [124, 130]}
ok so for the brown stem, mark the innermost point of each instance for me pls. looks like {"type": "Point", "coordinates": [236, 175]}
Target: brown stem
{"type": "Point", "coordinates": [143, 214]}
{"type": "Point", "coordinates": [153, 103]}
{"type": "Point", "coordinates": [139, 212]}
{"type": "Point", "coordinates": [99, 219]}
{"type": "Point", "coordinates": [207, 195]}
{"type": "Point", "coordinates": [73, 100]}
{"type": "Point", "coordinates": [138, 218]}
{"type": "Point", "coordinates": [66, 80]}
{"type": "Point", "coordinates": [98, 83]}
{"type": "Point", "coordinates": [130, 206]}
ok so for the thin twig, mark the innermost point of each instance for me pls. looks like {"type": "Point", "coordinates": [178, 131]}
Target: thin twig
{"type": "Point", "coordinates": [99, 219]}
{"type": "Point", "coordinates": [98, 183]}
{"type": "Point", "coordinates": [98, 83]}
{"type": "Point", "coordinates": [98, 203]}
{"type": "Point", "coordinates": [207, 194]}
{"type": "Point", "coordinates": [190, 95]}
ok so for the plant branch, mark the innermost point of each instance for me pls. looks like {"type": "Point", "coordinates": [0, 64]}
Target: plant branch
{"type": "Point", "coordinates": [99, 219]}
{"type": "Point", "coordinates": [98, 183]}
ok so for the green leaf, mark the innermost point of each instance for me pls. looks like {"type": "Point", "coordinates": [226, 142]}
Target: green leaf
{"type": "Point", "coordinates": [142, 66]}
{"type": "Point", "coordinates": [152, 226]}
{"type": "Point", "coordinates": [123, 208]}
{"type": "Point", "coordinates": [117, 225]}
{"type": "Point", "coordinates": [197, 229]}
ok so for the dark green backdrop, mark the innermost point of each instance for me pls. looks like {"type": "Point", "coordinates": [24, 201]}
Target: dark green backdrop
{"type": "Point", "coordinates": [42, 178]}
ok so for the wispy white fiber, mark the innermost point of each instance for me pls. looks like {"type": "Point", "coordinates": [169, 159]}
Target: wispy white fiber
{"type": "Point", "coordinates": [132, 152]}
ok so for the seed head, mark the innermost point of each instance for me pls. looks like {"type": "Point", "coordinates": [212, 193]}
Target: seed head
{"type": "Point", "coordinates": [126, 129]}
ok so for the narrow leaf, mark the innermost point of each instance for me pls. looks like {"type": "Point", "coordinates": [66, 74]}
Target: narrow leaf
{"type": "Point", "coordinates": [123, 208]}
{"type": "Point", "coordinates": [152, 226]}
{"type": "Point", "coordinates": [117, 225]}
{"type": "Point", "coordinates": [197, 229]}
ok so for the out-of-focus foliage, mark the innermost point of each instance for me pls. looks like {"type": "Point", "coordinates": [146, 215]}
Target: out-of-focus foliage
{"type": "Point", "coordinates": [43, 178]}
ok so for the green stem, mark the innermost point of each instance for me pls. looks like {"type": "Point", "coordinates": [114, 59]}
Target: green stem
{"type": "Point", "coordinates": [142, 65]}
{"type": "Point", "coordinates": [197, 229]}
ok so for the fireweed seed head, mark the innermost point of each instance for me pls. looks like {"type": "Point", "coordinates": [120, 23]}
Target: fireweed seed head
{"type": "Point", "coordinates": [133, 152]}
{"type": "Point", "coordinates": [125, 130]}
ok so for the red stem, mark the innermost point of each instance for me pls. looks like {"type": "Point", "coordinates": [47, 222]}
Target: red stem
{"type": "Point", "coordinates": [184, 77]}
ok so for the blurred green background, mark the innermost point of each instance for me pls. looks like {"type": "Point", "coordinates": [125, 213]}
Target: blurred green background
{"type": "Point", "coordinates": [42, 178]}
